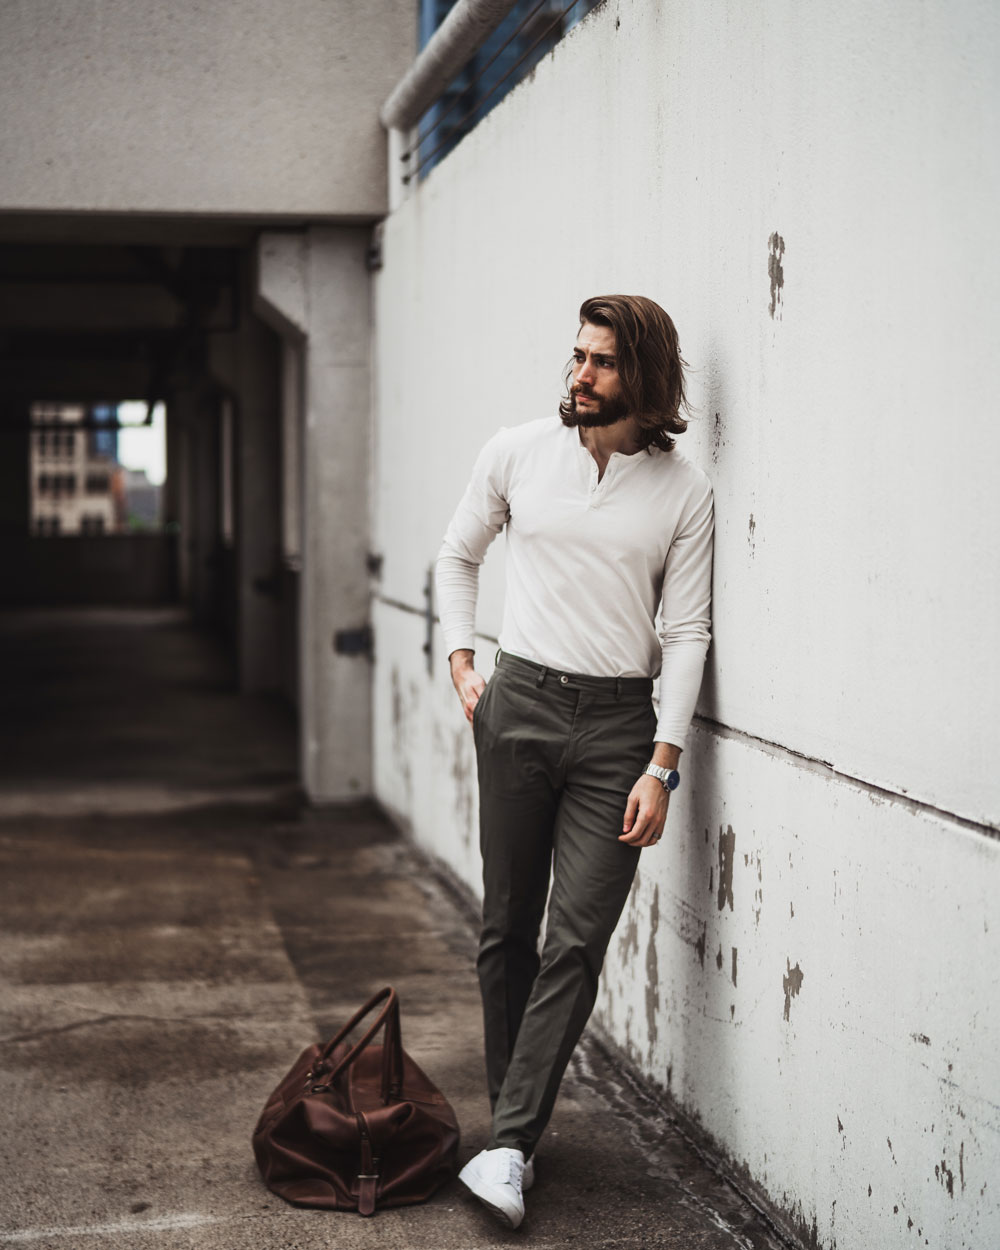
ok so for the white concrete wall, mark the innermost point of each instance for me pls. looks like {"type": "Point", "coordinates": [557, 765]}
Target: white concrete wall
{"type": "Point", "coordinates": [315, 290]}
{"type": "Point", "coordinates": [248, 108]}
{"type": "Point", "coordinates": [811, 191]}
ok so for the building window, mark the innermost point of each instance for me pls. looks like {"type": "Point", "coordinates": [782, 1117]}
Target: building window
{"type": "Point", "coordinates": [527, 33]}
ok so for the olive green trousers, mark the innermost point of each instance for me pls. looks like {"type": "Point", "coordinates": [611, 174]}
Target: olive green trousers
{"type": "Point", "coordinates": [558, 754]}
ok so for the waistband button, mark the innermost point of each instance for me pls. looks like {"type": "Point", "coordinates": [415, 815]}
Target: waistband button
{"type": "Point", "coordinates": [564, 680]}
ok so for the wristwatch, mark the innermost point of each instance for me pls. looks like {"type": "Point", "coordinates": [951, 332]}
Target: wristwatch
{"type": "Point", "coordinates": [669, 778]}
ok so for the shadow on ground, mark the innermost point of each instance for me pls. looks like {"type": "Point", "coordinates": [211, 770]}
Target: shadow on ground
{"type": "Point", "coordinates": [164, 960]}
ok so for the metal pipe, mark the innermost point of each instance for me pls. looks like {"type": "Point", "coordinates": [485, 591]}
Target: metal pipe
{"type": "Point", "coordinates": [466, 28]}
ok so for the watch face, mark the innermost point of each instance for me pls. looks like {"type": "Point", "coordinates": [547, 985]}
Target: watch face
{"type": "Point", "coordinates": [673, 779]}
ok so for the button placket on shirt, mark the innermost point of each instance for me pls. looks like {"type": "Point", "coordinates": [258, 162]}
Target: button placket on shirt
{"type": "Point", "coordinates": [599, 488]}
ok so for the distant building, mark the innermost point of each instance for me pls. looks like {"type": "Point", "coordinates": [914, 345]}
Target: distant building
{"type": "Point", "coordinates": [104, 442]}
{"type": "Point", "coordinates": [142, 500]}
{"type": "Point", "coordinates": [72, 485]}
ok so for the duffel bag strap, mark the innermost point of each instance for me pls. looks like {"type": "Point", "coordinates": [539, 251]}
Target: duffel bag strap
{"type": "Point", "coordinates": [368, 1175]}
{"type": "Point", "coordinates": [392, 1049]}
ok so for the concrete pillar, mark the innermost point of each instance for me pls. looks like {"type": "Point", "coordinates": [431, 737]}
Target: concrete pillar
{"type": "Point", "coordinates": [247, 364]}
{"type": "Point", "coordinates": [315, 289]}
{"type": "Point", "coordinates": [205, 556]}
{"type": "Point", "coordinates": [291, 515]}
{"type": "Point", "coordinates": [257, 521]}
{"type": "Point", "coordinates": [171, 487]}
{"type": "Point", "coordinates": [181, 455]}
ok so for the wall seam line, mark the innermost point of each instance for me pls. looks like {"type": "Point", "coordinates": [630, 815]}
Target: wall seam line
{"type": "Point", "coordinates": [810, 763]}
{"type": "Point", "coordinates": [824, 768]}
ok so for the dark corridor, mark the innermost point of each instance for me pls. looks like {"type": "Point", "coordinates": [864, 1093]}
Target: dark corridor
{"type": "Point", "coordinates": [119, 709]}
{"type": "Point", "coordinates": [95, 312]}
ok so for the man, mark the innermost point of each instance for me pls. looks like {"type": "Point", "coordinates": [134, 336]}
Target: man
{"type": "Point", "coordinates": [609, 551]}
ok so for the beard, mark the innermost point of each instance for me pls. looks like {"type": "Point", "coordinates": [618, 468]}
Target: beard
{"type": "Point", "coordinates": [605, 412]}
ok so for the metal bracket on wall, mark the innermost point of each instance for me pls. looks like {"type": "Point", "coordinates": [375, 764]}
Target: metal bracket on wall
{"type": "Point", "coordinates": [373, 257]}
{"type": "Point", "coordinates": [354, 641]}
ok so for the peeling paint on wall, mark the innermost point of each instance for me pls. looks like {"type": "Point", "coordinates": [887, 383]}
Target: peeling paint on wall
{"type": "Point", "coordinates": [652, 972]}
{"type": "Point", "coordinates": [400, 735]}
{"type": "Point", "coordinates": [463, 776]}
{"type": "Point", "coordinates": [397, 709]}
{"type": "Point", "coordinates": [628, 939]}
{"type": "Point", "coordinates": [775, 272]}
{"type": "Point", "coordinates": [685, 920]}
{"type": "Point", "coordinates": [716, 437]}
{"type": "Point", "coordinates": [792, 982]}
{"type": "Point", "coordinates": [734, 966]}
{"type": "Point", "coordinates": [727, 853]}
{"type": "Point", "coordinates": [946, 1176]}
{"type": "Point", "coordinates": [753, 860]}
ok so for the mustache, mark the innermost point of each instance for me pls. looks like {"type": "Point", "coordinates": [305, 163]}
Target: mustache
{"type": "Point", "coordinates": [578, 388]}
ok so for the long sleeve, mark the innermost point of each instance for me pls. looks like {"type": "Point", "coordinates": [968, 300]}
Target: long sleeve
{"type": "Point", "coordinates": [685, 618]}
{"type": "Point", "coordinates": [480, 516]}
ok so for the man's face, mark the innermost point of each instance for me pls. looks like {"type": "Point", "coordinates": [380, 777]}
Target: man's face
{"type": "Point", "coordinates": [595, 391]}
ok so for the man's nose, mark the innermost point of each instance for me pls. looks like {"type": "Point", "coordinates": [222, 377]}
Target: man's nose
{"type": "Point", "coordinates": [585, 372]}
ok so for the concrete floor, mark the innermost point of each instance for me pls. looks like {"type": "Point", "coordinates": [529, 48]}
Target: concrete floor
{"type": "Point", "coordinates": [175, 926]}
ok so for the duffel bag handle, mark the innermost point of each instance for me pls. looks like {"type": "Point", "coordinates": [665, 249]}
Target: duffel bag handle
{"type": "Point", "coordinates": [392, 1044]}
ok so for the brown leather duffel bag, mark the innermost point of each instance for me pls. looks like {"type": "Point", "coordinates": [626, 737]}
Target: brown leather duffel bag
{"type": "Point", "coordinates": [355, 1127]}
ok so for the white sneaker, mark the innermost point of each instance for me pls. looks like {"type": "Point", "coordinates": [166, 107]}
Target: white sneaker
{"type": "Point", "coordinates": [528, 1175]}
{"type": "Point", "coordinates": [494, 1176]}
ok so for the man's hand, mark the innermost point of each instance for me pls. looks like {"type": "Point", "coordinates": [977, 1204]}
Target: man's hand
{"type": "Point", "coordinates": [645, 813]}
{"type": "Point", "coordinates": [467, 682]}
{"type": "Point", "coordinates": [646, 810]}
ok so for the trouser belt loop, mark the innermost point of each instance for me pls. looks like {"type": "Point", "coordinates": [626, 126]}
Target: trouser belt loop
{"type": "Point", "coordinates": [618, 687]}
{"type": "Point", "coordinates": [540, 679]}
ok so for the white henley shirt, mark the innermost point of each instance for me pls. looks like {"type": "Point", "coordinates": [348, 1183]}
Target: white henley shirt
{"type": "Point", "coordinates": [611, 578]}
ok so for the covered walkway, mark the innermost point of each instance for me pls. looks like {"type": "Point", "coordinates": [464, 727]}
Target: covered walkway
{"type": "Point", "coordinates": [175, 925]}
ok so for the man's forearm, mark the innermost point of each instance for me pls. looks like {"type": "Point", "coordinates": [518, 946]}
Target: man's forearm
{"type": "Point", "coordinates": [457, 587]}
{"type": "Point", "coordinates": [665, 755]}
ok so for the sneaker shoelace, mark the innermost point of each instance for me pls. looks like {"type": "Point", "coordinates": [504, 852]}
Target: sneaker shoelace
{"type": "Point", "coordinates": [508, 1169]}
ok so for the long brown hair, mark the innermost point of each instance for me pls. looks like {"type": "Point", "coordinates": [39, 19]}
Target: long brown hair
{"type": "Point", "coordinates": [650, 365]}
